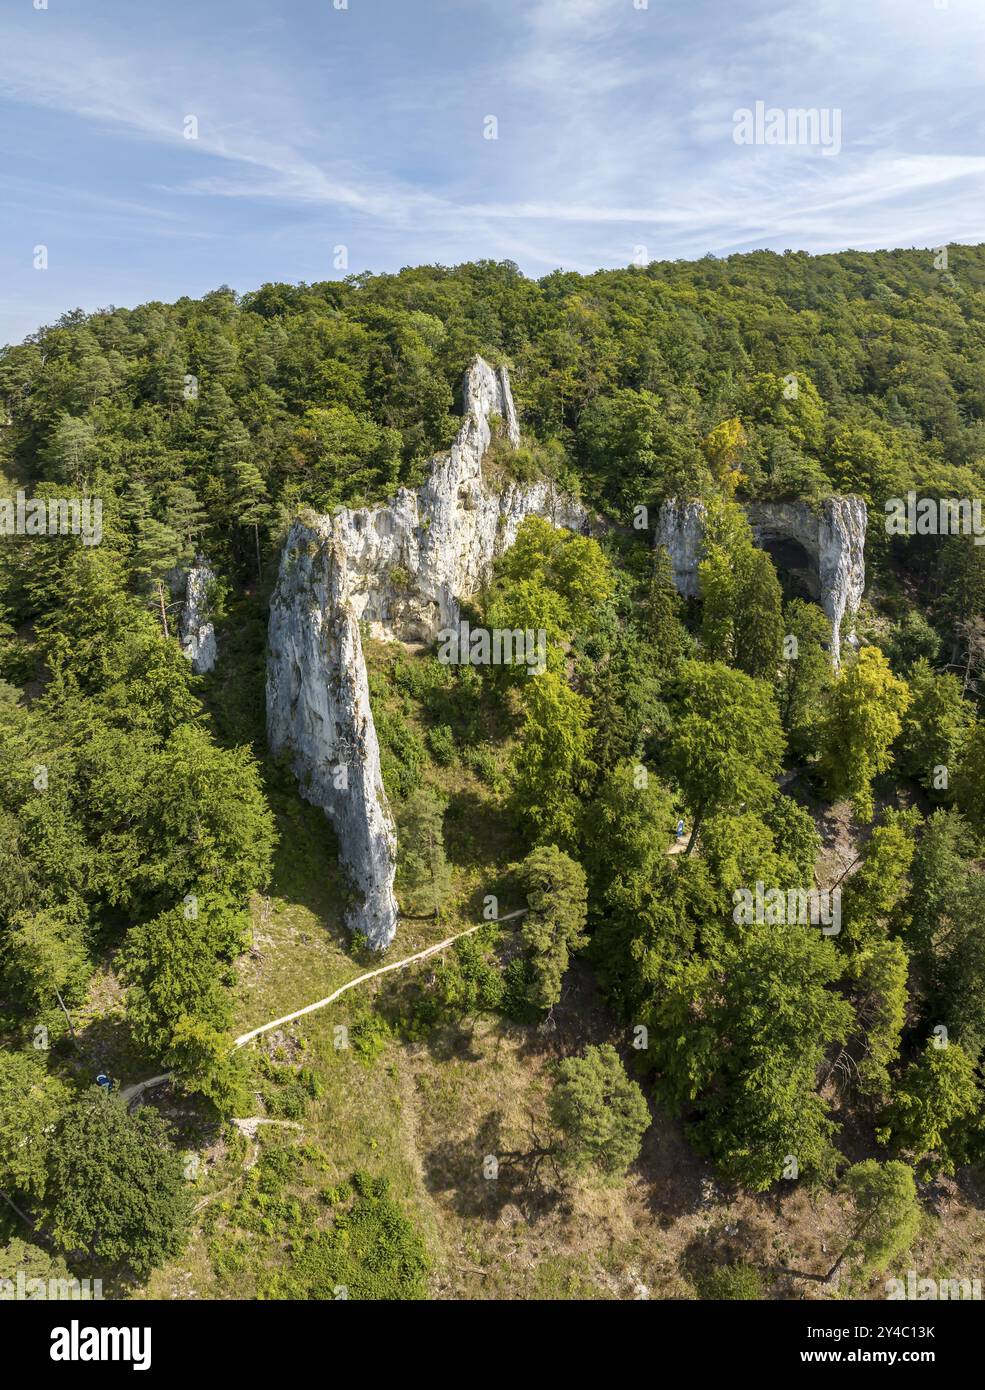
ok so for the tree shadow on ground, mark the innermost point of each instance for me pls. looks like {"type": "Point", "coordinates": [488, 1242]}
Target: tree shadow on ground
{"type": "Point", "coordinates": [306, 869]}
{"type": "Point", "coordinates": [743, 1241]}
{"type": "Point", "coordinates": [581, 1018]}
{"type": "Point", "coordinates": [479, 831]}
{"type": "Point", "coordinates": [482, 1175]}
{"type": "Point", "coordinates": [105, 1045]}
{"type": "Point", "coordinates": [678, 1181]}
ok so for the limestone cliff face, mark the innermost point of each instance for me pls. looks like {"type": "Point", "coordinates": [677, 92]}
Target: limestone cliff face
{"type": "Point", "coordinates": [400, 569]}
{"type": "Point", "coordinates": [681, 532]}
{"type": "Point", "coordinates": [318, 708]}
{"type": "Point", "coordinates": [832, 538]}
{"type": "Point", "coordinates": [410, 561]}
{"type": "Point", "coordinates": [196, 632]}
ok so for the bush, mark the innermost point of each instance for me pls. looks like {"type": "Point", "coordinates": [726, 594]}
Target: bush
{"type": "Point", "coordinates": [402, 755]}
{"type": "Point", "coordinates": [441, 741]}
{"type": "Point", "coordinates": [369, 1034]}
{"type": "Point", "coordinates": [422, 679]}
{"type": "Point", "coordinates": [372, 1251]}
{"type": "Point", "coordinates": [517, 986]}
{"type": "Point", "coordinates": [483, 761]}
{"type": "Point", "coordinates": [286, 1092]}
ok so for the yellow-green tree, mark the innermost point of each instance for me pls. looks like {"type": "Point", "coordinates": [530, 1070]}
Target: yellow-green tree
{"type": "Point", "coordinates": [723, 448]}
{"type": "Point", "coordinates": [551, 759]}
{"type": "Point", "coordinates": [727, 742]}
{"type": "Point", "coordinates": [557, 906]}
{"type": "Point", "coordinates": [865, 716]}
{"type": "Point", "coordinates": [933, 1110]}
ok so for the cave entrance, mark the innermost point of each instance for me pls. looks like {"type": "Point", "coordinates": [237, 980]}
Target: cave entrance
{"type": "Point", "coordinates": [796, 568]}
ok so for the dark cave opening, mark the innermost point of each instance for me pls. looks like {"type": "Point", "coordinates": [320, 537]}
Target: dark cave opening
{"type": "Point", "coordinates": [795, 566]}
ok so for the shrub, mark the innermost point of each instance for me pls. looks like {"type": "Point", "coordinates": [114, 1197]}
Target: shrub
{"type": "Point", "coordinates": [441, 741]}
{"type": "Point", "coordinates": [372, 1251]}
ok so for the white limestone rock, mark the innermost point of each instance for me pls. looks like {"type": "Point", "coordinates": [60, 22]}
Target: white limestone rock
{"type": "Point", "coordinates": [681, 532]}
{"type": "Point", "coordinates": [441, 539]}
{"type": "Point", "coordinates": [401, 569]}
{"type": "Point", "coordinates": [318, 708]}
{"type": "Point", "coordinates": [196, 632]}
{"type": "Point", "coordinates": [832, 535]}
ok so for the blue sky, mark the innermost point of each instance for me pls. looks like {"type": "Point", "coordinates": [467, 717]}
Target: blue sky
{"type": "Point", "coordinates": [363, 127]}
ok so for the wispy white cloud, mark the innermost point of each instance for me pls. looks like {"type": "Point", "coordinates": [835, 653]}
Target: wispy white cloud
{"type": "Point", "coordinates": [615, 127]}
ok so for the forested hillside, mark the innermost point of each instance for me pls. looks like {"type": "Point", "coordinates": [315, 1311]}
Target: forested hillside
{"type": "Point", "coordinates": [161, 876]}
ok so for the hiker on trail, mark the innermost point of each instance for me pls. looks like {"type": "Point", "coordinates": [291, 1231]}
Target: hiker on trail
{"type": "Point", "coordinates": [680, 830]}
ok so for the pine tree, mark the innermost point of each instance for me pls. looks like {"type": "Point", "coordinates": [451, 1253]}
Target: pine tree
{"type": "Point", "coordinates": [886, 1216]}
{"type": "Point", "coordinates": [250, 505]}
{"type": "Point", "coordinates": [600, 1113]}
{"type": "Point", "coordinates": [934, 1109]}
{"type": "Point", "coordinates": [31, 1101]}
{"type": "Point", "coordinates": [879, 973]}
{"type": "Point", "coordinates": [46, 960]}
{"type": "Point", "coordinates": [805, 675]}
{"type": "Point", "coordinates": [660, 614]}
{"type": "Point", "coordinates": [551, 758]}
{"type": "Point", "coordinates": [155, 547]}
{"type": "Point", "coordinates": [557, 901]}
{"type": "Point", "coordinates": [185, 517]}
{"type": "Point", "coordinates": [969, 780]}
{"type": "Point", "coordinates": [70, 449]}
{"type": "Point", "coordinates": [758, 623]}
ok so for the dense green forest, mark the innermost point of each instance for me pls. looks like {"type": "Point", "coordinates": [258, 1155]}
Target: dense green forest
{"type": "Point", "coordinates": [140, 808]}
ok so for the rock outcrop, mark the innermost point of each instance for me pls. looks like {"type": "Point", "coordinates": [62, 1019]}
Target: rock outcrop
{"type": "Point", "coordinates": [834, 541]}
{"type": "Point", "coordinates": [318, 707]}
{"type": "Point", "coordinates": [681, 532]}
{"type": "Point", "coordinates": [400, 569]}
{"type": "Point", "coordinates": [831, 539]}
{"type": "Point", "coordinates": [196, 632]}
{"type": "Point", "coordinates": [409, 562]}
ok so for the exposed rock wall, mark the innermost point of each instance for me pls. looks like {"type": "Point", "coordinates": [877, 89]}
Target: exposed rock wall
{"type": "Point", "coordinates": [318, 707]}
{"type": "Point", "coordinates": [834, 540]}
{"type": "Point", "coordinates": [832, 537]}
{"type": "Point", "coordinates": [681, 532]}
{"type": "Point", "coordinates": [196, 632]}
{"type": "Point", "coordinates": [401, 569]}
{"type": "Point", "coordinates": [410, 561]}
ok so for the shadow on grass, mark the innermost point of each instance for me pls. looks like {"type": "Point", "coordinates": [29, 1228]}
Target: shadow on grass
{"type": "Point", "coordinates": [29, 1255]}
{"type": "Point", "coordinates": [725, 1243]}
{"type": "Point", "coordinates": [479, 831]}
{"type": "Point", "coordinates": [105, 1044]}
{"type": "Point", "coordinates": [463, 1170]}
{"type": "Point", "coordinates": [306, 870]}
{"type": "Point", "coordinates": [234, 694]}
